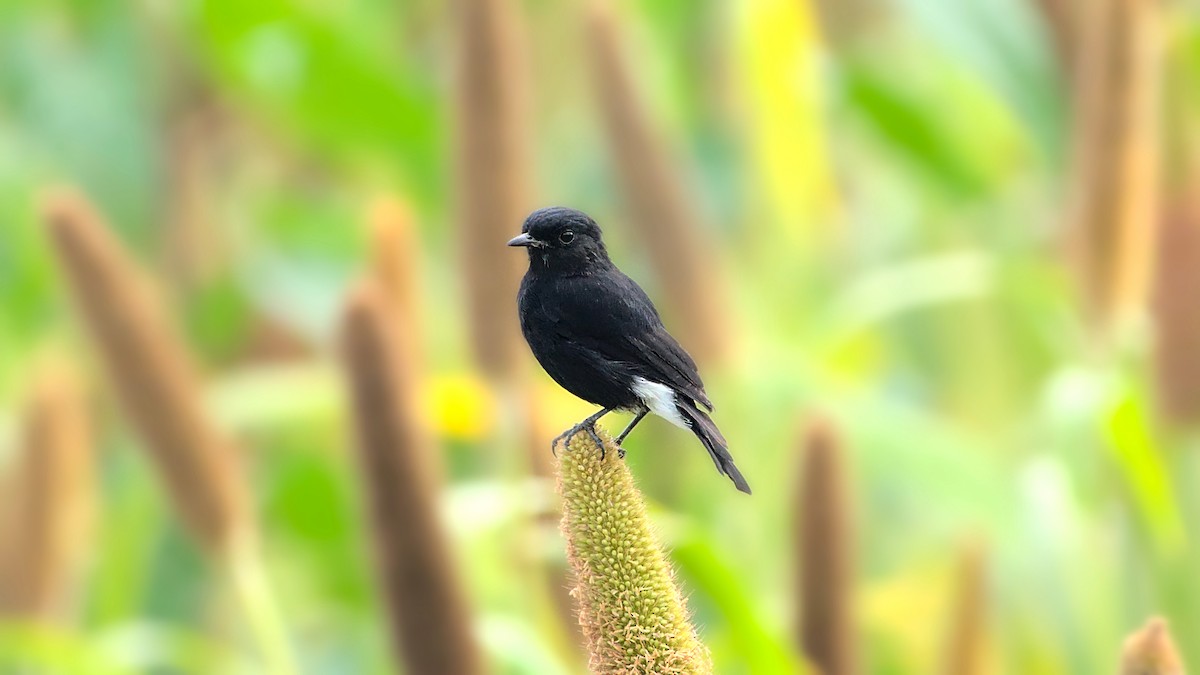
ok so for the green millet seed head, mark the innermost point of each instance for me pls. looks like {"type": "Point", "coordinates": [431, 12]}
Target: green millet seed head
{"type": "Point", "coordinates": [632, 612]}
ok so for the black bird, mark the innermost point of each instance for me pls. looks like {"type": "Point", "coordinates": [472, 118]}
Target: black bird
{"type": "Point", "coordinates": [597, 334]}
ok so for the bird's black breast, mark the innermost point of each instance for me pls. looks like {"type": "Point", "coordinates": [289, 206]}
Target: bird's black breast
{"type": "Point", "coordinates": [595, 333]}
{"type": "Point", "coordinates": [557, 328]}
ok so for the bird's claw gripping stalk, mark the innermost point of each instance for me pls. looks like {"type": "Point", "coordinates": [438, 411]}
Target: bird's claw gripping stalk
{"type": "Point", "coordinates": [591, 429]}
{"type": "Point", "coordinates": [588, 425]}
{"type": "Point", "coordinates": [567, 435]}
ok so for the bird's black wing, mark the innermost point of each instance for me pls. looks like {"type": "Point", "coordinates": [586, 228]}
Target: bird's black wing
{"type": "Point", "coordinates": [610, 314]}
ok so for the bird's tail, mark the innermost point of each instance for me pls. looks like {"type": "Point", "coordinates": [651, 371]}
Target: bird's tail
{"type": "Point", "coordinates": [714, 442]}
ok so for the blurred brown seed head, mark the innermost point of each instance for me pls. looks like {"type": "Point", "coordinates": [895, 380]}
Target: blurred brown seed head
{"type": "Point", "coordinates": [149, 369]}
{"type": "Point", "coordinates": [655, 193]}
{"type": "Point", "coordinates": [396, 257]}
{"type": "Point", "coordinates": [431, 623]}
{"type": "Point", "coordinates": [48, 498]}
{"type": "Point", "coordinates": [824, 552]}
{"type": "Point", "coordinates": [395, 266]}
{"type": "Point", "coordinates": [1116, 155]}
{"type": "Point", "coordinates": [272, 340]}
{"type": "Point", "coordinates": [192, 245]}
{"type": "Point", "coordinates": [1177, 269]}
{"type": "Point", "coordinates": [843, 23]}
{"type": "Point", "coordinates": [8, 532]}
{"type": "Point", "coordinates": [966, 640]}
{"type": "Point", "coordinates": [1150, 651]}
{"type": "Point", "coordinates": [1061, 18]}
{"type": "Point", "coordinates": [1177, 321]}
{"type": "Point", "coordinates": [494, 174]}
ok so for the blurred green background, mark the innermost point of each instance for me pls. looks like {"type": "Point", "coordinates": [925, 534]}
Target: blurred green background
{"type": "Point", "coordinates": [883, 183]}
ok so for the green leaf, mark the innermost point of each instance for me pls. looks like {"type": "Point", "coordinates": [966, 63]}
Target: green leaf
{"type": "Point", "coordinates": [313, 75]}
{"type": "Point", "coordinates": [755, 647]}
{"type": "Point", "coordinates": [1145, 472]}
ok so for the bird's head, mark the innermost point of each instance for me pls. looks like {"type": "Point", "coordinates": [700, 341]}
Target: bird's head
{"type": "Point", "coordinates": [562, 239]}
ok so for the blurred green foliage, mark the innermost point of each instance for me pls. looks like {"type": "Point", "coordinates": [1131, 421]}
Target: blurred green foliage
{"type": "Point", "coordinates": [928, 313]}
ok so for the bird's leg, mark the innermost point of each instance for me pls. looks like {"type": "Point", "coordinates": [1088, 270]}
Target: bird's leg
{"type": "Point", "coordinates": [638, 418]}
{"type": "Point", "coordinates": [590, 425]}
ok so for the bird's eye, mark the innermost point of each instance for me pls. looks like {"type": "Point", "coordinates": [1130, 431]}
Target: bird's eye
{"type": "Point", "coordinates": [566, 237]}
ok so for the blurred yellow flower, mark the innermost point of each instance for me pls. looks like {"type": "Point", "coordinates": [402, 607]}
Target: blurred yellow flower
{"type": "Point", "coordinates": [907, 607]}
{"type": "Point", "coordinates": [463, 407]}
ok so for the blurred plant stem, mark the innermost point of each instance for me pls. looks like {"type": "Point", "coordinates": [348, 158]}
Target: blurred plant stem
{"type": "Point", "coordinates": [631, 609]}
{"type": "Point", "coordinates": [1150, 651]}
{"type": "Point", "coordinates": [662, 214]}
{"type": "Point", "coordinates": [824, 543]}
{"type": "Point", "coordinates": [494, 174]}
{"type": "Point", "coordinates": [48, 501]}
{"type": "Point", "coordinates": [150, 371]}
{"type": "Point", "coordinates": [426, 602]}
{"type": "Point", "coordinates": [1116, 152]}
{"type": "Point", "coordinates": [244, 565]}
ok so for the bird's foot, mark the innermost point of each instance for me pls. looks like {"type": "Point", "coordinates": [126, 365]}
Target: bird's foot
{"type": "Point", "coordinates": [566, 435]}
{"type": "Point", "coordinates": [588, 424]}
{"type": "Point", "coordinates": [590, 427]}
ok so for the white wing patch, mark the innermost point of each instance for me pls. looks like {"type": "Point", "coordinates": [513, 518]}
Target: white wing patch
{"type": "Point", "coordinates": [660, 399]}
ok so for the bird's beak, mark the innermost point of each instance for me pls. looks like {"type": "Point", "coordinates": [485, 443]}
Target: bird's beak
{"type": "Point", "coordinates": [524, 239]}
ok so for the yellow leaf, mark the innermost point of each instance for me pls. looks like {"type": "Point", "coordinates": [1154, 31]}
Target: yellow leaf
{"type": "Point", "coordinates": [778, 54]}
